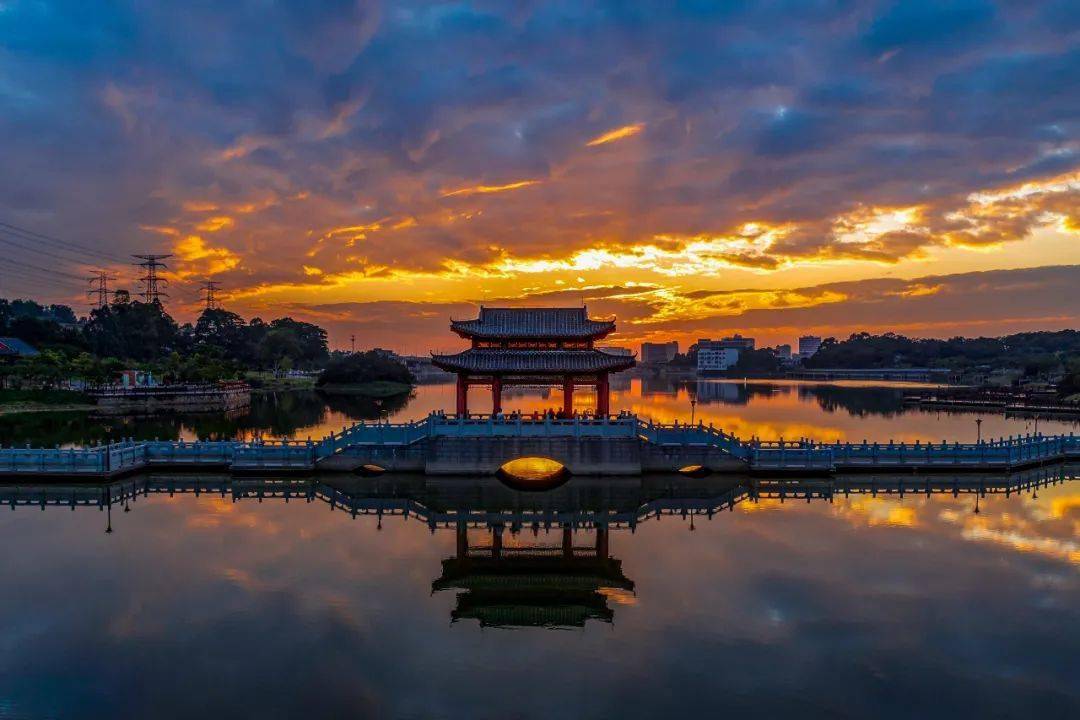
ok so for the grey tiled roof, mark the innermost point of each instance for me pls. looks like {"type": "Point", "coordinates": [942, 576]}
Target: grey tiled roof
{"type": "Point", "coordinates": [532, 361]}
{"type": "Point", "coordinates": [533, 323]}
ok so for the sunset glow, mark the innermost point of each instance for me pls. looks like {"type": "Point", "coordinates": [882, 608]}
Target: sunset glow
{"type": "Point", "coordinates": [398, 171]}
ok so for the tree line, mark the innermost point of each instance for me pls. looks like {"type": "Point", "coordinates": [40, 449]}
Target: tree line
{"type": "Point", "coordinates": [131, 334]}
{"type": "Point", "coordinates": [1033, 353]}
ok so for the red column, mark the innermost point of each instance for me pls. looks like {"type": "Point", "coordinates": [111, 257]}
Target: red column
{"type": "Point", "coordinates": [462, 395]}
{"type": "Point", "coordinates": [568, 397]}
{"type": "Point", "coordinates": [496, 395]}
{"type": "Point", "coordinates": [603, 395]}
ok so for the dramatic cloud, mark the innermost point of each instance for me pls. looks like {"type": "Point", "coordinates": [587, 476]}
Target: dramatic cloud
{"type": "Point", "coordinates": [970, 304]}
{"type": "Point", "coordinates": [333, 152]}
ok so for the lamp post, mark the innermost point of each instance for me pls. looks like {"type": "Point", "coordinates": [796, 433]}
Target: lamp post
{"type": "Point", "coordinates": [693, 406]}
{"type": "Point", "coordinates": [978, 426]}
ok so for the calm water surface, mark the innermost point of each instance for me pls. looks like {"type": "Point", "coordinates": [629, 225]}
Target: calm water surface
{"type": "Point", "coordinates": [225, 604]}
{"type": "Point", "coordinates": [705, 597]}
{"type": "Point", "coordinates": [765, 409]}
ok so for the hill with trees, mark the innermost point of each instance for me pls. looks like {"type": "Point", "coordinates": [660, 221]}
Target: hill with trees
{"type": "Point", "coordinates": [220, 345]}
{"type": "Point", "coordinates": [369, 373]}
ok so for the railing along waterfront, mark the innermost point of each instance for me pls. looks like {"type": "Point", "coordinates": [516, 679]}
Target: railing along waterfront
{"type": "Point", "coordinates": [779, 455]}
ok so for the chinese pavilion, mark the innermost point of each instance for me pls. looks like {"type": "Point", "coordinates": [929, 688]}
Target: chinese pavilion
{"type": "Point", "coordinates": [533, 346]}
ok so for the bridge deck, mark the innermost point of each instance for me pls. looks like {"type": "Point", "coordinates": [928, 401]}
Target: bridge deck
{"type": "Point", "coordinates": [675, 441]}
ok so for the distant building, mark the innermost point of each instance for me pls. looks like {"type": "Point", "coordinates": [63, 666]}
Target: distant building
{"type": "Point", "coordinates": [735, 342]}
{"type": "Point", "coordinates": [719, 354]}
{"type": "Point", "coordinates": [738, 342]}
{"type": "Point", "coordinates": [808, 345]}
{"type": "Point", "coordinates": [659, 353]}
{"type": "Point", "coordinates": [716, 359]}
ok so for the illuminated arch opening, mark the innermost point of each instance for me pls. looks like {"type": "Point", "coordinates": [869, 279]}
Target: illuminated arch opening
{"type": "Point", "coordinates": [694, 471]}
{"type": "Point", "coordinates": [533, 473]}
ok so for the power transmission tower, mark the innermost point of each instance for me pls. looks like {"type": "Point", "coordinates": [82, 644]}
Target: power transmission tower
{"type": "Point", "coordinates": [209, 289]}
{"type": "Point", "coordinates": [352, 342]}
{"type": "Point", "coordinates": [99, 285]}
{"type": "Point", "coordinates": [151, 283]}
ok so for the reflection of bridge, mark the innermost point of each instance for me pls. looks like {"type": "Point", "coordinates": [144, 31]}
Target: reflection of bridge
{"type": "Point", "coordinates": [498, 579]}
{"type": "Point", "coordinates": [619, 445]}
{"type": "Point", "coordinates": [582, 504]}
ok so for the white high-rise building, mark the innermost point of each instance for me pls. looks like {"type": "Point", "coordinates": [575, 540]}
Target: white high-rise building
{"type": "Point", "coordinates": [715, 359]}
{"type": "Point", "coordinates": [808, 345]}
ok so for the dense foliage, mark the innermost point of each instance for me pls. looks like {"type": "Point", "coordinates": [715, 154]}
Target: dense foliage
{"type": "Point", "coordinates": [364, 367]}
{"type": "Point", "coordinates": [757, 362]}
{"type": "Point", "coordinates": [126, 334]}
{"type": "Point", "coordinates": [1035, 353]}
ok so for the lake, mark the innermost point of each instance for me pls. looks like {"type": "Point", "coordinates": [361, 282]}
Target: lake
{"type": "Point", "coordinates": [767, 409]}
{"type": "Point", "coordinates": [179, 595]}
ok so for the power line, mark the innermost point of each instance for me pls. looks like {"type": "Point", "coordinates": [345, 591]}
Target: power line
{"type": "Point", "coordinates": [40, 269]}
{"type": "Point", "coordinates": [68, 244]}
{"type": "Point", "coordinates": [42, 251]}
{"type": "Point", "coordinates": [209, 290]}
{"type": "Point", "coordinates": [99, 285]}
{"type": "Point", "coordinates": [151, 282]}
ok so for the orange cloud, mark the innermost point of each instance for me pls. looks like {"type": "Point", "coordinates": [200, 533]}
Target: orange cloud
{"type": "Point", "coordinates": [206, 259]}
{"type": "Point", "coordinates": [617, 134]}
{"type": "Point", "coordinates": [486, 189]}
{"type": "Point", "coordinates": [215, 223]}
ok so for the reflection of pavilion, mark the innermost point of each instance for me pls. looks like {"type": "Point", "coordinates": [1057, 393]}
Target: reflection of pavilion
{"type": "Point", "coordinates": [533, 585]}
{"type": "Point", "coordinates": [503, 583]}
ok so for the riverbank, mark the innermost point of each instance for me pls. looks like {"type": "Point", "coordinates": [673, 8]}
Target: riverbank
{"type": "Point", "coordinates": [374, 389]}
{"type": "Point", "coordinates": [13, 402]}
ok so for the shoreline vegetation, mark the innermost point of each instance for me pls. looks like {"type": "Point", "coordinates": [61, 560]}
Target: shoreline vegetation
{"type": "Point", "coordinates": [14, 401]}
{"type": "Point", "coordinates": [267, 382]}
{"type": "Point", "coordinates": [370, 374]}
{"type": "Point", "coordinates": [372, 389]}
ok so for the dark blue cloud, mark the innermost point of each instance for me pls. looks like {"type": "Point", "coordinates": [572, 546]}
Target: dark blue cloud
{"type": "Point", "coordinates": [115, 113]}
{"type": "Point", "coordinates": [922, 23]}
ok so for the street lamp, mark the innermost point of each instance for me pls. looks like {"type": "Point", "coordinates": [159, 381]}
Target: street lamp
{"type": "Point", "coordinates": [693, 405]}
{"type": "Point", "coordinates": [978, 426]}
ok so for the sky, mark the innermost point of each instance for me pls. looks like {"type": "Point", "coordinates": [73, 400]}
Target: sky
{"type": "Point", "coordinates": [692, 168]}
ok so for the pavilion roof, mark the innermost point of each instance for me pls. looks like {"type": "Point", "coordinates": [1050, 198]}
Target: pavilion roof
{"type": "Point", "coordinates": [493, 360]}
{"type": "Point", "coordinates": [533, 323]}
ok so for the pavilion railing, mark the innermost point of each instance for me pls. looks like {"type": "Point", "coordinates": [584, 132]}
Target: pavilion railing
{"type": "Point", "coordinates": [798, 454]}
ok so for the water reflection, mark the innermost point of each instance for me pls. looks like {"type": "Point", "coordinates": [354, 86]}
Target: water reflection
{"type": "Point", "coordinates": [741, 595]}
{"type": "Point", "coordinates": [532, 584]}
{"type": "Point", "coordinates": [847, 410]}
